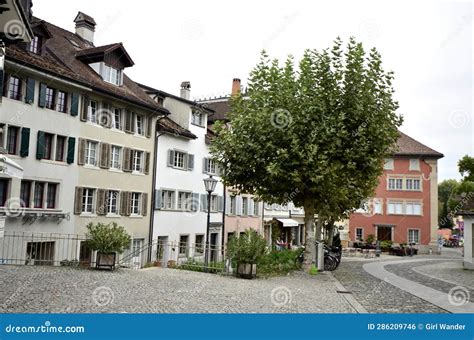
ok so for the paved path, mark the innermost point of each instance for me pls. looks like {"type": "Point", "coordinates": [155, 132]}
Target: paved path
{"type": "Point", "coordinates": [446, 295]}
{"type": "Point", "coordinates": [41, 289]}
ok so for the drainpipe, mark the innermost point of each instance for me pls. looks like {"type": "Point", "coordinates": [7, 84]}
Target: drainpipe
{"type": "Point", "coordinates": [223, 220]}
{"type": "Point", "coordinates": [153, 198]}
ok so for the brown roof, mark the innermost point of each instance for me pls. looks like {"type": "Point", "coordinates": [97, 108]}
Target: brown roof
{"type": "Point", "coordinates": [220, 108]}
{"type": "Point", "coordinates": [59, 58]}
{"type": "Point", "coordinates": [169, 126]}
{"type": "Point", "coordinates": [92, 54]}
{"type": "Point", "coordinates": [407, 146]}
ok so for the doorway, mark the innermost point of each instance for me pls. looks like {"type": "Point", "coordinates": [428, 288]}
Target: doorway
{"type": "Point", "coordinates": [214, 247]}
{"type": "Point", "coordinates": [384, 233]}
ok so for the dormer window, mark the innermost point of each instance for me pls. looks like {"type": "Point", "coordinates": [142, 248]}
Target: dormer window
{"type": "Point", "coordinates": [197, 118]}
{"type": "Point", "coordinates": [112, 75]}
{"type": "Point", "coordinates": [35, 45]}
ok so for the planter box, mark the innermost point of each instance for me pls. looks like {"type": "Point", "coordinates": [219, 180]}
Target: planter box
{"type": "Point", "coordinates": [247, 270]}
{"type": "Point", "coordinates": [106, 260]}
{"type": "Point", "coordinates": [157, 264]}
{"type": "Point", "coordinates": [171, 264]}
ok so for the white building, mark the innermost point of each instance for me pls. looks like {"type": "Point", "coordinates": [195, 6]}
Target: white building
{"type": "Point", "coordinates": [468, 218]}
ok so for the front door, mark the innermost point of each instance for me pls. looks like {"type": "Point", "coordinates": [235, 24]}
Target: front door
{"type": "Point", "coordinates": [214, 247]}
{"type": "Point", "coordinates": [384, 233]}
{"type": "Point", "coordinates": [137, 252]}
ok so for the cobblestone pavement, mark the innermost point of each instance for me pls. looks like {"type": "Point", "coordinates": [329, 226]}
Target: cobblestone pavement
{"type": "Point", "coordinates": [35, 289]}
{"type": "Point", "coordinates": [379, 296]}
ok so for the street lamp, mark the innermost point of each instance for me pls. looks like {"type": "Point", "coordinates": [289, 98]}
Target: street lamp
{"type": "Point", "coordinates": [210, 184]}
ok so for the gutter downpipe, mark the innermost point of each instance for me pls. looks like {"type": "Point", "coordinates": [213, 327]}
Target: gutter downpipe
{"type": "Point", "coordinates": [223, 220]}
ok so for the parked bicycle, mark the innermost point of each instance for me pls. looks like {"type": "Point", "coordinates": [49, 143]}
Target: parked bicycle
{"type": "Point", "coordinates": [332, 257]}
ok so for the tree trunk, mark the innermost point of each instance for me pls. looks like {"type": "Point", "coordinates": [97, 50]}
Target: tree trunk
{"type": "Point", "coordinates": [330, 231]}
{"type": "Point", "coordinates": [310, 249]}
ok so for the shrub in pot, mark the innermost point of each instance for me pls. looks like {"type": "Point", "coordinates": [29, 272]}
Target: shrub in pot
{"type": "Point", "coordinates": [108, 240]}
{"type": "Point", "coordinates": [246, 251]}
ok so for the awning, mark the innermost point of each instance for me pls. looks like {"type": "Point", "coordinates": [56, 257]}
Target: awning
{"type": "Point", "coordinates": [288, 222]}
{"type": "Point", "coordinates": [10, 168]}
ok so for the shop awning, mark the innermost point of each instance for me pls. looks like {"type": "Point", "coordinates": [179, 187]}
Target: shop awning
{"type": "Point", "coordinates": [9, 168]}
{"type": "Point", "coordinates": [288, 222]}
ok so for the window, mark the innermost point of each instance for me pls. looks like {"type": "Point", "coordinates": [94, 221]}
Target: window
{"type": "Point", "coordinates": [245, 206]}
{"type": "Point", "coordinates": [25, 194]}
{"type": "Point", "coordinates": [112, 75]}
{"type": "Point", "coordinates": [377, 206]}
{"type": "Point", "coordinates": [197, 118]}
{"type": "Point", "coordinates": [184, 201]}
{"type": "Point", "coordinates": [13, 134]}
{"type": "Point", "coordinates": [211, 166]}
{"type": "Point", "coordinates": [183, 245]}
{"type": "Point", "coordinates": [136, 203]}
{"type": "Point", "coordinates": [88, 200]}
{"type": "Point", "coordinates": [14, 88]}
{"type": "Point", "coordinates": [62, 101]}
{"type": "Point", "coordinates": [35, 45]}
{"type": "Point", "coordinates": [51, 196]}
{"type": "Point", "coordinates": [178, 161]}
{"type": "Point", "coordinates": [388, 165]}
{"type": "Point", "coordinates": [413, 208]}
{"type": "Point", "coordinates": [48, 145]}
{"type": "Point", "coordinates": [112, 202]}
{"type": "Point", "coordinates": [60, 145]}
{"type": "Point", "coordinates": [137, 161]}
{"type": "Point", "coordinates": [199, 244]}
{"type": "Point", "coordinates": [167, 199]}
{"type": "Point", "coordinates": [414, 164]}
{"type": "Point", "coordinates": [116, 157]}
{"type": "Point", "coordinates": [38, 195]}
{"type": "Point", "coordinates": [3, 191]}
{"type": "Point", "coordinates": [117, 119]}
{"type": "Point", "coordinates": [91, 153]}
{"type": "Point", "coordinates": [232, 205]}
{"type": "Point", "coordinates": [359, 234]}
{"type": "Point", "coordinates": [92, 112]}
{"type": "Point", "coordinates": [413, 184]}
{"type": "Point", "coordinates": [49, 99]}
{"type": "Point", "coordinates": [140, 125]}
{"type": "Point", "coordinates": [395, 208]}
{"type": "Point", "coordinates": [255, 208]}
{"type": "Point", "coordinates": [214, 203]}
{"type": "Point", "coordinates": [395, 184]}
{"type": "Point", "coordinates": [413, 236]}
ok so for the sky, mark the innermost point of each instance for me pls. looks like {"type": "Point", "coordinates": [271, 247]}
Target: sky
{"type": "Point", "coordinates": [427, 44]}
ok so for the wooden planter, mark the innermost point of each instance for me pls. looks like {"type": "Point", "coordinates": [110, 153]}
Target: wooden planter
{"type": "Point", "coordinates": [247, 271]}
{"type": "Point", "coordinates": [157, 264]}
{"type": "Point", "coordinates": [106, 260]}
{"type": "Point", "coordinates": [171, 264]}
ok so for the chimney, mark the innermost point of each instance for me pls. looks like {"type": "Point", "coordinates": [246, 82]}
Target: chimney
{"type": "Point", "coordinates": [85, 27]}
{"type": "Point", "coordinates": [235, 86]}
{"type": "Point", "coordinates": [185, 90]}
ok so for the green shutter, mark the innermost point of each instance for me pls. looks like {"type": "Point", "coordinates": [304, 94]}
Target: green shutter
{"type": "Point", "coordinates": [25, 142]}
{"type": "Point", "coordinates": [71, 144]}
{"type": "Point", "coordinates": [30, 91]}
{"type": "Point", "coordinates": [42, 95]}
{"type": "Point", "coordinates": [40, 147]}
{"type": "Point", "coordinates": [74, 104]}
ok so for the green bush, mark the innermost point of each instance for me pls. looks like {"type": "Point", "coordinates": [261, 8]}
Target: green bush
{"type": "Point", "coordinates": [386, 245]}
{"type": "Point", "coordinates": [198, 266]}
{"type": "Point", "coordinates": [249, 247]}
{"type": "Point", "coordinates": [279, 262]}
{"type": "Point", "coordinates": [370, 239]}
{"type": "Point", "coordinates": [107, 238]}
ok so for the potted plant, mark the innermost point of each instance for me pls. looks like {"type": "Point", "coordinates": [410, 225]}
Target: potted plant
{"type": "Point", "coordinates": [245, 251]}
{"type": "Point", "coordinates": [108, 240]}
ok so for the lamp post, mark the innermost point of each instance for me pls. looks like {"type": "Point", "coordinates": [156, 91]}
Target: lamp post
{"type": "Point", "coordinates": [210, 185]}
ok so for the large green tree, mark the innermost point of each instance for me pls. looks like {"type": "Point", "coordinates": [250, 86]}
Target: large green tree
{"type": "Point", "coordinates": [446, 190]}
{"type": "Point", "coordinates": [315, 134]}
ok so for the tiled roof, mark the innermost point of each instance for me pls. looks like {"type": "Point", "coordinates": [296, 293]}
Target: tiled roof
{"type": "Point", "coordinates": [59, 59]}
{"type": "Point", "coordinates": [220, 108]}
{"type": "Point", "coordinates": [169, 126]}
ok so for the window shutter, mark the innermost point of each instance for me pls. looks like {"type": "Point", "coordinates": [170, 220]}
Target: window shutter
{"type": "Point", "coordinates": [40, 146]}
{"type": "Point", "coordinates": [157, 204]}
{"type": "Point", "coordinates": [127, 152]}
{"type": "Point", "coordinates": [144, 204]}
{"type": "Point", "coordinates": [74, 104]}
{"type": "Point", "coordinates": [250, 207]}
{"type": "Point", "coordinates": [3, 82]}
{"type": "Point", "coordinates": [128, 203]}
{"type": "Point", "coordinates": [190, 162]}
{"type": "Point", "coordinates": [30, 91]}
{"type": "Point", "coordinates": [220, 203]}
{"type": "Point", "coordinates": [128, 121]}
{"type": "Point", "coordinates": [195, 202]}
{"type": "Point", "coordinates": [123, 203]}
{"type": "Point", "coordinates": [205, 165]}
{"type": "Point", "coordinates": [149, 126]}
{"type": "Point", "coordinates": [25, 142]}
{"type": "Point", "coordinates": [104, 155]}
{"type": "Point", "coordinates": [203, 202]}
{"type": "Point", "coordinates": [42, 95]}
{"type": "Point", "coordinates": [71, 145]}
{"type": "Point", "coordinates": [238, 205]}
{"type": "Point", "coordinates": [227, 204]}
{"type": "Point", "coordinates": [100, 202]}
{"type": "Point", "coordinates": [147, 163]}
{"type": "Point", "coordinates": [85, 108]}
{"type": "Point", "coordinates": [170, 157]}
{"type": "Point", "coordinates": [78, 200]}
{"type": "Point", "coordinates": [81, 152]}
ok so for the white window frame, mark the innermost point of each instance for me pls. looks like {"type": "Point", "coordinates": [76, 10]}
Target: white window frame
{"type": "Point", "coordinates": [116, 158]}
{"type": "Point", "coordinates": [214, 203]}
{"type": "Point", "coordinates": [395, 180]}
{"type": "Point", "coordinates": [211, 166]}
{"type": "Point", "coordinates": [232, 205]}
{"type": "Point", "coordinates": [186, 251]}
{"type": "Point", "coordinates": [413, 187]}
{"type": "Point", "coordinates": [139, 127]}
{"type": "Point", "coordinates": [184, 201]}
{"type": "Point", "coordinates": [88, 151]}
{"type": "Point", "coordinates": [92, 111]}
{"type": "Point", "coordinates": [111, 75]}
{"type": "Point", "coordinates": [113, 197]}
{"type": "Point", "coordinates": [137, 165]}
{"type": "Point", "coordinates": [378, 206]}
{"type": "Point", "coordinates": [255, 208]}
{"type": "Point", "coordinates": [388, 164]}
{"type": "Point", "coordinates": [362, 236]}
{"type": "Point", "coordinates": [114, 119]}
{"type": "Point", "coordinates": [245, 206]}
{"type": "Point", "coordinates": [395, 204]}
{"type": "Point", "coordinates": [167, 199]}
{"type": "Point", "coordinates": [88, 193]}
{"type": "Point", "coordinates": [177, 159]}
{"type": "Point", "coordinates": [411, 211]}
{"type": "Point", "coordinates": [418, 232]}
{"type": "Point", "coordinates": [197, 118]}
{"type": "Point", "coordinates": [414, 164]}
{"type": "Point", "coordinates": [136, 204]}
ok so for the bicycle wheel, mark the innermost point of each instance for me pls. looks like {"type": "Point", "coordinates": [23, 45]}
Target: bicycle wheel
{"type": "Point", "coordinates": [329, 263]}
